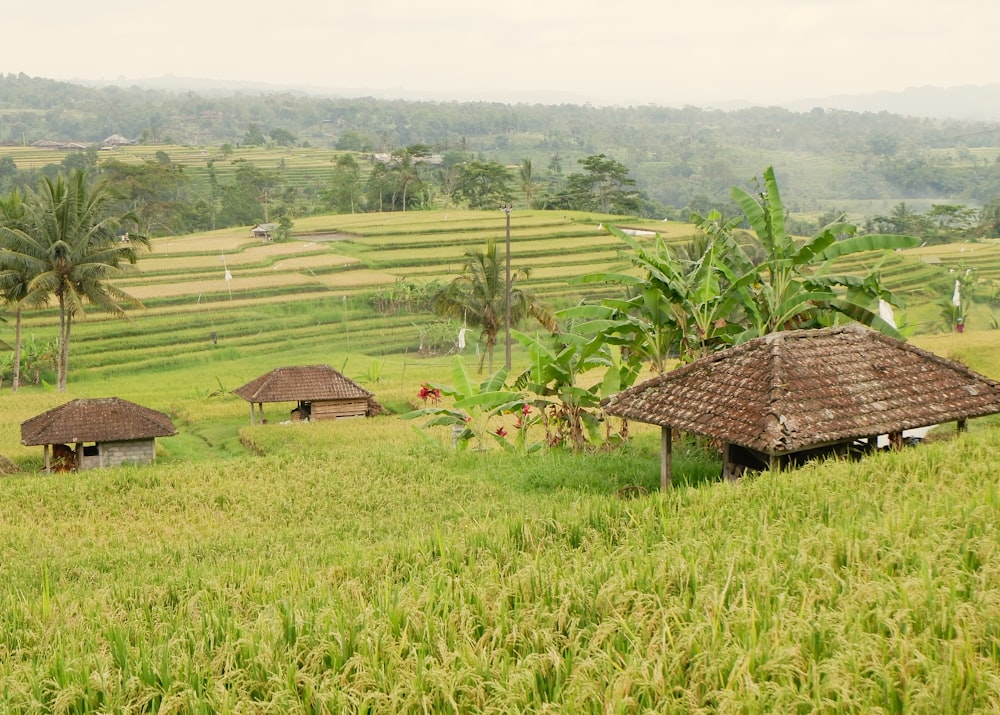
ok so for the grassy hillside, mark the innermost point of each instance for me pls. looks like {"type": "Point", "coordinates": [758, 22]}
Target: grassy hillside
{"type": "Point", "coordinates": [352, 567]}
{"type": "Point", "coordinates": [334, 286]}
{"type": "Point", "coordinates": [365, 566]}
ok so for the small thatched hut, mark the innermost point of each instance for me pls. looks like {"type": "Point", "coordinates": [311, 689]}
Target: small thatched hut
{"type": "Point", "coordinates": [790, 392]}
{"type": "Point", "coordinates": [104, 432]}
{"type": "Point", "coordinates": [321, 392]}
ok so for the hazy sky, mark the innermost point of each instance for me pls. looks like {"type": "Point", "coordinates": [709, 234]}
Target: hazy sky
{"type": "Point", "coordinates": [604, 51]}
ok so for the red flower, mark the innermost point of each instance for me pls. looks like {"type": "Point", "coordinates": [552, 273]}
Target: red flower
{"type": "Point", "coordinates": [501, 432]}
{"type": "Point", "coordinates": [429, 393]}
{"type": "Point", "coordinates": [526, 410]}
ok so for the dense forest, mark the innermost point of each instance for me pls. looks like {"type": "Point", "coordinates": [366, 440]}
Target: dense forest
{"type": "Point", "coordinates": [934, 176]}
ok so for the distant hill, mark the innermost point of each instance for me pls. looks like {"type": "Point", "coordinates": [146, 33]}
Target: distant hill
{"type": "Point", "coordinates": [971, 102]}
{"type": "Point", "coordinates": [976, 102]}
{"type": "Point", "coordinates": [859, 154]}
{"type": "Point", "coordinates": [173, 83]}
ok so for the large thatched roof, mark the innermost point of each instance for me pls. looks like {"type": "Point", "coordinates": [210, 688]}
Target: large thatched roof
{"type": "Point", "coordinates": [105, 419]}
{"type": "Point", "coordinates": [793, 390]}
{"type": "Point", "coordinates": [303, 382]}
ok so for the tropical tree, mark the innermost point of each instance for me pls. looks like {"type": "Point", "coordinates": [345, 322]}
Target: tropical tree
{"type": "Point", "coordinates": [525, 175]}
{"type": "Point", "coordinates": [478, 297]}
{"type": "Point", "coordinates": [604, 185]}
{"type": "Point", "coordinates": [344, 190]}
{"type": "Point", "coordinates": [793, 287]}
{"type": "Point", "coordinates": [739, 285]}
{"type": "Point", "coordinates": [405, 176]}
{"type": "Point", "coordinates": [482, 184]}
{"type": "Point", "coordinates": [13, 282]}
{"type": "Point", "coordinates": [71, 245]}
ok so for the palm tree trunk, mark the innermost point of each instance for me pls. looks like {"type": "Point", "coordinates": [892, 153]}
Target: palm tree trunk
{"type": "Point", "coordinates": [63, 366]}
{"type": "Point", "coordinates": [491, 340]}
{"type": "Point", "coordinates": [16, 376]}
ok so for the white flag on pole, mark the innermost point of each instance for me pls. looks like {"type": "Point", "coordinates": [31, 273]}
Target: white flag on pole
{"type": "Point", "coordinates": [461, 338]}
{"type": "Point", "coordinates": [229, 276]}
{"type": "Point", "coordinates": [956, 299]}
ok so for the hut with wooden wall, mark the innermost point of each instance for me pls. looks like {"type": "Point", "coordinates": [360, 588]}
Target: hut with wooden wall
{"type": "Point", "coordinates": [103, 432]}
{"type": "Point", "coordinates": [321, 393]}
{"type": "Point", "coordinates": [788, 394]}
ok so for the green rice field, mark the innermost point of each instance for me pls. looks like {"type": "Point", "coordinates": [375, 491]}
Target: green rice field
{"type": "Point", "coordinates": [365, 566]}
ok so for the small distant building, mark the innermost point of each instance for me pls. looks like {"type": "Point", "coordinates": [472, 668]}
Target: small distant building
{"type": "Point", "coordinates": [116, 140]}
{"type": "Point", "coordinates": [103, 432]}
{"type": "Point", "coordinates": [264, 231]}
{"type": "Point", "coordinates": [321, 393]}
{"type": "Point", "coordinates": [59, 145]}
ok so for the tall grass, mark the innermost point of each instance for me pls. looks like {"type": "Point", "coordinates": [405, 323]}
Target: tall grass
{"type": "Point", "coordinates": [353, 567]}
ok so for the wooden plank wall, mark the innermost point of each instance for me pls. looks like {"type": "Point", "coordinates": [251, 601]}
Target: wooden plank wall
{"type": "Point", "coordinates": [331, 410]}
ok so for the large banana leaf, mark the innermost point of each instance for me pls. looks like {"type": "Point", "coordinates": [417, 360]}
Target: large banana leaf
{"type": "Point", "coordinates": [868, 242]}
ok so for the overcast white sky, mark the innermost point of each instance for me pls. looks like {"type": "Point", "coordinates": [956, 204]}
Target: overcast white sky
{"type": "Point", "coordinates": [604, 51]}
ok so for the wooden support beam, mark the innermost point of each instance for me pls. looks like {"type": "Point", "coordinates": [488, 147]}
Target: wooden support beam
{"type": "Point", "coordinates": [666, 457]}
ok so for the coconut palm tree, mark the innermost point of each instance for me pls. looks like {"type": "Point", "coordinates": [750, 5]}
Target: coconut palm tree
{"type": "Point", "coordinates": [477, 296]}
{"type": "Point", "coordinates": [13, 282]}
{"type": "Point", "coordinates": [70, 246]}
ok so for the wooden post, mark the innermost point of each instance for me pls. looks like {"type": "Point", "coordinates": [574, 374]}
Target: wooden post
{"type": "Point", "coordinates": [666, 457]}
{"type": "Point", "coordinates": [47, 462]}
{"type": "Point", "coordinates": [251, 414]}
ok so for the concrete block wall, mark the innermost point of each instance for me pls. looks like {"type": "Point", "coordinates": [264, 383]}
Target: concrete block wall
{"type": "Point", "coordinates": [112, 454]}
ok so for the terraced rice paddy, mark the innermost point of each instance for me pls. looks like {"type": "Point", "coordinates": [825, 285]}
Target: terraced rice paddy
{"type": "Point", "coordinates": [364, 566]}
{"type": "Point", "coordinates": [334, 266]}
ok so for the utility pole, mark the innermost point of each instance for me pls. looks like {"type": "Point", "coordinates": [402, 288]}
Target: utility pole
{"type": "Point", "coordinates": [506, 208]}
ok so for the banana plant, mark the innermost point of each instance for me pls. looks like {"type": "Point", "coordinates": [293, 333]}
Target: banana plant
{"type": "Point", "coordinates": [573, 411]}
{"type": "Point", "coordinates": [793, 286]}
{"type": "Point", "coordinates": [474, 405]}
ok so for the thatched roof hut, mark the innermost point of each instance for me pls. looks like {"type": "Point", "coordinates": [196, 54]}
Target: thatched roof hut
{"type": "Point", "coordinates": [793, 391]}
{"type": "Point", "coordinates": [105, 432]}
{"type": "Point", "coordinates": [321, 392]}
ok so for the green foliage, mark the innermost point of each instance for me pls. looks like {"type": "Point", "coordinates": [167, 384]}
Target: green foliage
{"type": "Point", "coordinates": [727, 290]}
{"type": "Point", "coordinates": [67, 246]}
{"type": "Point", "coordinates": [243, 201]}
{"type": "Point", "coordinates": [479, 298]}
{"type": "Point", "coordinates": [254, 136]}
{"type": "Point", "coordinates": [603, 186]}
{"type": "Point", "coordinates": [475, 405]}
{"type": "Point", "coordinates": [282, 137]}
{"type": "Point", "coordinates": [345, 190]}
{"type": "Point", "coordinates": [571, 412]}
{"type": "Point", "coordinates": [482, 184]}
